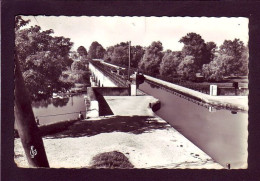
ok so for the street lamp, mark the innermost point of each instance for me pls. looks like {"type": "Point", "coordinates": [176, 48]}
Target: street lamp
{"type": "Point", "coordinates": [129, 60]}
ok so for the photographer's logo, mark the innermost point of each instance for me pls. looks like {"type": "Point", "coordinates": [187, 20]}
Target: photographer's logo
{"type": "Point", "coordinates": [33, 152]}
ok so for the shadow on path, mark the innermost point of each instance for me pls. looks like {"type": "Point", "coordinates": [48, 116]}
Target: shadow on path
{"type": "Point", "coordinates": [135, 125]}
{"type": "Point", "coordinates": [104, 108]}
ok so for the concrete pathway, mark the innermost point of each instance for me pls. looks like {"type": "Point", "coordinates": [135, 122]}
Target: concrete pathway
{"type": "Point", "coordinates": [131, 105]}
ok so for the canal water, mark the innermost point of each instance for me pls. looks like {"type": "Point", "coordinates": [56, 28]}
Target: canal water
{"type": "Point", "coordinates": [220, 134]}
{"type": "Point", "coordinates": [56, 110]}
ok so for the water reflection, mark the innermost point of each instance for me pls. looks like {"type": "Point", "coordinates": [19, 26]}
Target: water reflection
{"type": "Point", "coordinates": [57, 102]}
{"type": "Point", "coordinates": [55, 110]}
{"type": "Point", "coordinates": [41, 103]}
{"type": "Point", "coordinates": [154, 86]}
{"type": "Point", "coordinates": [60, 102]}
{"type": "Point", "coordinates": [212, 109]}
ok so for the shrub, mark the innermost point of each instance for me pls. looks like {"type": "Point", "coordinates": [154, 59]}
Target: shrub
{"type": "Point", "coordinates": [112, 159]}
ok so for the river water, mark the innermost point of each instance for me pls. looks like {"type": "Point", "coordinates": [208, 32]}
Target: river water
{"type": "Point", "coordinates": [221, 134]}
{"type": "Point", "coordinates": [56, 110]}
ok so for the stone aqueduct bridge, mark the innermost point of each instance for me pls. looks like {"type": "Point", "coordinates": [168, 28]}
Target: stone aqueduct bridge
{"type": "Point", "coordinates": [107, 83]}
{"type": "Point", "coordinates": [103, 77]}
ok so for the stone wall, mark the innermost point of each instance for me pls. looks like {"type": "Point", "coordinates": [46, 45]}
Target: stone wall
{"type": "Point", "coordinates": [112, 91]}
{"type": "Point", "coordinates": [93, 109]}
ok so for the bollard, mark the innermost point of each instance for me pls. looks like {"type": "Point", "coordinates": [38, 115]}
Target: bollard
{"type": "Point", "coordinates": [235, 85]}
{"type": "Point", "coordinates": [228, 166]}
{"type": "Point", "coordinates": [213, 90]}
{"type": "Point", "coordinates": [133, 89]}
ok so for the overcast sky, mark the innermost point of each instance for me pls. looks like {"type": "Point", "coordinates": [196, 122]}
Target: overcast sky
{"type": "Point", "coordinates": [142, 31]}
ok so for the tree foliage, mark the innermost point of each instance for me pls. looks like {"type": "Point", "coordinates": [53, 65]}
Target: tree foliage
{"type": "Point", "coordinates": [195, 46]}
{"type": "Point", "coordinates": [216, 69]}
{"type": "Point", "coordinates": [137, 53]}
{"type": "Point", "coordinates": [232, 59]}
{"type": "Point", "coordinates": [74, 56]}
{"type": "Point", "coordinates": [243, 70]}
{"type": "Point", "coordinates": [109, 54]}
{"type": "Point", "coordinates": [19, 22]}
{"type": "Point", "coordinates": [119, 54]}
{"type": "Point", "coordinates": [82, 54]}
{"type": "Point", "coordinates": [152, 58]}
{"type": "Point", "coordinates": [187, 68]}
{"type": "Point", "coordinates": [96, 51]}
{"type": "Point", "coordinates": [42, 57]}
{"type": "Point", "coordinates": [239, 54]}
{"type": "Point", "coordinates": [169, 64]}
{"type": "Point", "coordinates": [77, 65]}
{"type": "Point", "coordinates": [82, 51]}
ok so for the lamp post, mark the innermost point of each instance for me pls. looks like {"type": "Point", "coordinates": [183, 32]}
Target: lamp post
{"type": "Point", "coordinates": [129, 60]}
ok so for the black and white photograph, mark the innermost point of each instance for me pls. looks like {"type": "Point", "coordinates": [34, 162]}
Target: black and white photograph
{"type": "Point", "coordinates": [114, 92]}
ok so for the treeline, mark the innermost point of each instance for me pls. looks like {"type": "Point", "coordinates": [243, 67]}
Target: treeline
{"type": "Point", "coordinates": [197, 58]}
{"type": "Point", "coordinates": [48, 64]}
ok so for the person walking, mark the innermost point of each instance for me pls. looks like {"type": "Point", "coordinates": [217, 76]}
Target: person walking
{"type": "Point", "coordinates": [37, 121]}
{"type": "Point", "coordinates": [81, 117]}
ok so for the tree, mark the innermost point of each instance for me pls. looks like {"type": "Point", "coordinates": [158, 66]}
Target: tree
{"type": "Point", "coordinates": [74, 56]}
{"type": "Point", "coordinates": [120, 55]}
{"type": "Point", "coordinates": [76, 65]}
{"type": "Point", "coordinates": [82, 54]}
{"type": "Point", "coordinates": [232, 59]}
{"type": "Point", "coordinates": [19, 22]}
{"type": "Point", "coordinates": [216, 69]}
{"type": "Point", "coordinates": [38, 51]}
{"type": "Point", "coordinates": [169, 64]}
{"type": "Point", "coordinates": [233, 48]}
{"type": "Point", "coordinates": [152, 58]}
{"type": "Point", "coordinates": [108, 54]}
{"type": "Point", "coordinates": [96, 51]}
{"type": "Point", "coordinates": [211, 50]}
{"type": "Point", "coordinates": [137, 53]}
{"type": "Point", "coordinates": [195, 46]}
{"type": "Point", "coordinates": [244, 61]}
{"type": "Point", "coordinates": [187, 68]}
{"type": "Point", "coordinates": [82, 51]}
{"type": "Point", "coordinates": [239, 54]}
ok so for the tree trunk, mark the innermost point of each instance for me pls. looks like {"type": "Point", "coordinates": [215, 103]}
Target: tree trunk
{"type": "Point", "coordinates": [26, 125]}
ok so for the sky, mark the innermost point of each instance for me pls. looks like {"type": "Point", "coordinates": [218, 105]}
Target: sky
{"type": "Point", "coordinates": [109, 31]}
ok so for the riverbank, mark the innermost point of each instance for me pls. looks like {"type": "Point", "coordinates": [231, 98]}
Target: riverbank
{"type": "Point", "coordinates": [145, 139]}
{"type": "Point", "coordinates": [234, 102]}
